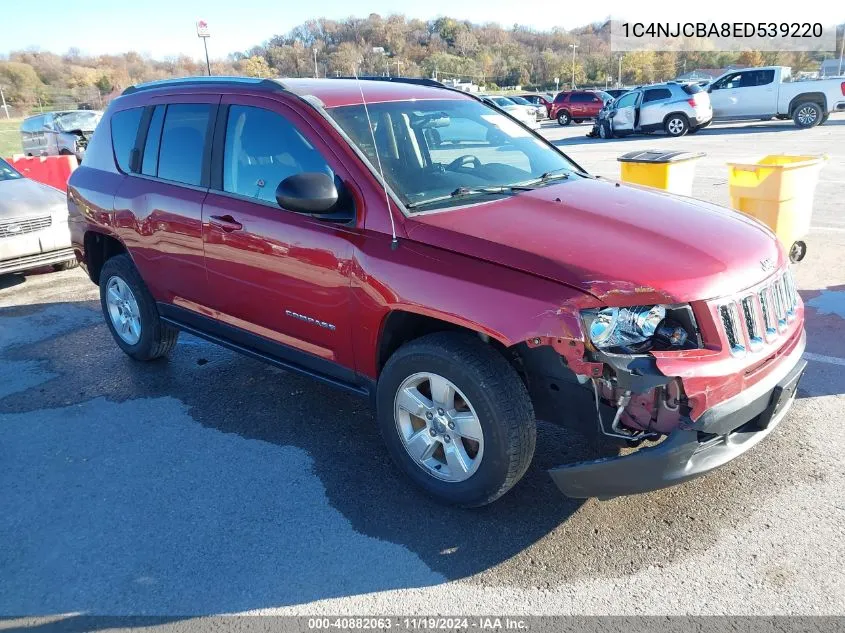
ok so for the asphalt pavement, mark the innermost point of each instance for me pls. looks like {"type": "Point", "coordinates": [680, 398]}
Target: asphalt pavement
{"type": "Point", "coordinates": [210, 483]}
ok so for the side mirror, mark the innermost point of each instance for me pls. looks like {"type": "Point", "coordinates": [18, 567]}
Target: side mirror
{"type": "Point", "coordinates": [315, 194]}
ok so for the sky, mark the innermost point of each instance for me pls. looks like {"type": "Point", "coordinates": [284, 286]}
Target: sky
{"type": "Point", "coordinates": [167, 27]}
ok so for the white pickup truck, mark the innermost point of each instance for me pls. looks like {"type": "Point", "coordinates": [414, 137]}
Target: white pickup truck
{"type": "Point", "coordinates": [766, 92]}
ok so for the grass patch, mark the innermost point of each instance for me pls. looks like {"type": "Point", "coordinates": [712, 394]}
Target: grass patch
{"type": "Point", "coordinates": [10, 136]}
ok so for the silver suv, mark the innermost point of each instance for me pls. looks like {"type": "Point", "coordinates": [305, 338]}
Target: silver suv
{"type": "Point", "coordinates": [673, 107]}
{"type": "Point", "coordinates": [57, 133]}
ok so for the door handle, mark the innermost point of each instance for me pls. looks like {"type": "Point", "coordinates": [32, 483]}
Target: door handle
{"type": "Point", "coordinates": [225, 222]}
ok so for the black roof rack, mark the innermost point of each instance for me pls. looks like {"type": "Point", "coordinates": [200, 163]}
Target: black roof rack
{"type": "Point", "coordinates": [215, 82]}
{"type": "Point", "coordinates": [419, 81]}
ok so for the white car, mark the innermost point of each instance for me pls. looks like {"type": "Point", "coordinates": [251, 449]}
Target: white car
{"type": "Point", "coordinates": [766, 92]}
{"type": "Point", "coordinates": [527, 115]}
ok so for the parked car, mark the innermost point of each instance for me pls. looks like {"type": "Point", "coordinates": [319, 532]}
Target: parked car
{"type": "Point", "coordinates": [33, 224]}
{"type": "Point", "coordinates": [767, 92]}
{"type": "Point", "coordinates": [539, 100]}
{"type": "Point", "coordinates": [578, 105]}
{"type": "Point", "coordinates": [57, 133]}
{"type": "Point", "coordinates": [465, 287]}
{"type": "Point", "coordinates": [538, 110]}
{"type": "Point", "coordinates": [527, 115]}
{"type": "Point", "coordinates": [676, 108]}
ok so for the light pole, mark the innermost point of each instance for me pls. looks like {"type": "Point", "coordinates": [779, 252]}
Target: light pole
{"type": "Point", "coordinates": [315, 62]}
{"type": "Point", "coordinates": [619, 76]}
{"type": "Point", "coordinates": [841, 52]}
{"type": "Point", "coordinates": [573, 47]}
{"type": "Point", "coordinates": [3, 99]}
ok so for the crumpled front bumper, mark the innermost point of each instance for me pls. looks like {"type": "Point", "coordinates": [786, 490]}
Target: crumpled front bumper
{"type": "Point", "coordinates": [721, 434]}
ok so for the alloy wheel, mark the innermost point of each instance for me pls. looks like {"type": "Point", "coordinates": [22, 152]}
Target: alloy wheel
{"type": "Point", "coordinates": [438, 426]}
{"type": "Point", "coordinates": [675, 126]}
{"type": "Point", "coordinates": [123, 310]}
{"type": "Point", "coordinates": [807, 116]}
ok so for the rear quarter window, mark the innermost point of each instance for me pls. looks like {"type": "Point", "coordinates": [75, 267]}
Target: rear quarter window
{"type": "Point", "coordinates": [692, 89]}
{"type": "Point", "coordinates": [124, 131]}
{"type": "Point", "coordinates": [656, 94]}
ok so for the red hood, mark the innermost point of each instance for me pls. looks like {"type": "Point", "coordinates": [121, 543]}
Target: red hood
{"type": "Point", "coordinates": [614, 242]}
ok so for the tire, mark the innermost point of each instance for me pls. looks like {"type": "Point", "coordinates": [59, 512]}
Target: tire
{"type": "Point", "coordinates": [807, 114]}
{"type": "Point", "coordinates": [154, 338]}
{"type": "Point", "coordinates": [676, 125]}
{"type": "Point", "coordinates": [604, 130]}
{"type": "Point", "coordinates": [824, 118]}
{"type": "Point", "coordinates": [577, 121]}
{"type": "Point", "coordinates": [563, 118]}
{"type": "Point", "coordinates": [693, 130]}
{"type": "Point", "coordinates": [65, 152]}
{"type": "Point", "coordinates": [71, 263]}
{"type": "Point", "coordinates": [496, 400]}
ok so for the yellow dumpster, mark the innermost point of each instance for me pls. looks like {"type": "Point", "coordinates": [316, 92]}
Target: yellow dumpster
{"type": "Point", "coordinates": [672, 171]}
{"type": "Point", "coordinates": [778, 191]}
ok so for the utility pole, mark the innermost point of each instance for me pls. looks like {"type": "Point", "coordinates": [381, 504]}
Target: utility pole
{"type": "Point", "coordinates": [315, 63]}
{"type": "Point", "coordinates": [3, 99]}
{"type": "Point", "coordinates": [398, 71]}
{"type": "Point", "coordinates": [573, 47]}
{"type": "Point", "coordinates": [619, 76]}
{"type": "Point", "coordinates": [841, 52]}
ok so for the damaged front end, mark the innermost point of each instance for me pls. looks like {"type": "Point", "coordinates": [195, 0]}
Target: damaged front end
{"type": "Point", "coordinates": [617, 379]}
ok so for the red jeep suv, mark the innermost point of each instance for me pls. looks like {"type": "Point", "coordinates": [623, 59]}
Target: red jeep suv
{"type": "Point", "coordinates": [577, 105]}
{"type": "Point", "coordinates": [407, 242]}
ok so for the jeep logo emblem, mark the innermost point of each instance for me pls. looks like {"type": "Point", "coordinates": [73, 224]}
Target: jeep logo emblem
{"type": "Point", "coordinates": [767, 264]}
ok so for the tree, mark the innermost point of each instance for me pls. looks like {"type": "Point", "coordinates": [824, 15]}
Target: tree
{"type": "Point", "coordinates": [21, 84]}
{"type": "Point", "coordinates": [750, 58]}
{"type": "Point", "coordinates": [104, 85]}
{"type": "Point", "coordinates": [256, 66]}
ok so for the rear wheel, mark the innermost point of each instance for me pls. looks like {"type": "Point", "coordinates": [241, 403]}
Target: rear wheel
{"type": "Point", "coordinates": [563, 117]}
{"type": "Point", "coordinates": [456, 418]}
{"type": "Point", "coordinates": [131, 312]}
{"type": "Point", "coordinates": [807, 115]}
{"type": "Point", "coordinates": [676, 125]}
{"type": "Point", "coordinates": [577, 120]}
{"type": "Point", "coordinates": [824, 118]}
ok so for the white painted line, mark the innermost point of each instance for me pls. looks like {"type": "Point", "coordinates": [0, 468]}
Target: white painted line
{"type": "Point", "coordinates": [831, 229]}
{"type": "Point", "coordinates": [819, 358]}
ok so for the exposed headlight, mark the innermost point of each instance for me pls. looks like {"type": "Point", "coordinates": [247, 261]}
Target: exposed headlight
{"type": "Point", "coordinates": [622, 327]}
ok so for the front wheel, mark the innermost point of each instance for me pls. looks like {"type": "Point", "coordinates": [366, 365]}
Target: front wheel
{"type": "Point", "coordinates": [563, 118]}
{"type": "Point", "coordinates": [131, 312]}
{"type": "Point", "coordinates": [676, 125]}
{"type": "Point", "coordinates": [807, 115]}
{"type": "Point", "coordinates": [456, 418]}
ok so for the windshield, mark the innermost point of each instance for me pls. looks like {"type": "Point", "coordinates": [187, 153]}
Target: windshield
{"type": "Point", "coordinates": [520, 100]}
{"type": "Point", "coordinates": [7, 172]}
{"type": "Point", "coordinates": [85, 120]}
{"type": "Point", "coordinates": [441, 148]}
{"type": "Point", "coordinates": [503, 101]}
{"type": "Point", "coordinates": [605, 96]}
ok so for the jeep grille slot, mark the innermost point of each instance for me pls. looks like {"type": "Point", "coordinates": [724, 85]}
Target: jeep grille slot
{"type": "Point", "coordinates": [752, 322]}
{"type": "Point", "coordinates": [730, 321]}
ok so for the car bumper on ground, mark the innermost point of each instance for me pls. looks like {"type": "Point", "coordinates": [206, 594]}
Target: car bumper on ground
{"type": "Point", "coordinates": [721, 434]}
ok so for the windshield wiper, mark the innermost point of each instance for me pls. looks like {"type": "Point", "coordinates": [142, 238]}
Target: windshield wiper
{"type": "Point", "coordinates": [462, 192]}
{"type": "Point", "coordinates": [549, 176]}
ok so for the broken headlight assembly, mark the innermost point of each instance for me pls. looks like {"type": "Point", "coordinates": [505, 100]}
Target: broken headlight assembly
{"type": "Point", "coordinates": [639, 329]}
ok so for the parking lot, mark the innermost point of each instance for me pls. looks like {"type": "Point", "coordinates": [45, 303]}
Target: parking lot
{"type": "Point", "coordinates": [211, 483]}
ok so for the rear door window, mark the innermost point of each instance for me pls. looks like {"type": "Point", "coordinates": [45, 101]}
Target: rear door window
{"type": "Point", "coordinates": [182, 146]}
{"type": "Point", "coordinates": [124, 132]}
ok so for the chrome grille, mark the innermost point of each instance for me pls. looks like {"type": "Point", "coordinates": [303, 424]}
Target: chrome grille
{"type": "Point", "coordinates": [757, 317]}
{"type": "Point", "coordinates": [13, 228]}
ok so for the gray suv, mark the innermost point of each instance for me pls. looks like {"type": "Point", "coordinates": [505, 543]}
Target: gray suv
{"type": "Point", "coordinates": [55, 133]}
{"type": "Point", "coordinates": [673, 107]}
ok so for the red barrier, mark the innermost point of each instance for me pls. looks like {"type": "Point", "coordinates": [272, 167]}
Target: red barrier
{"type": "Point", "coordinates": [51, 170]}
